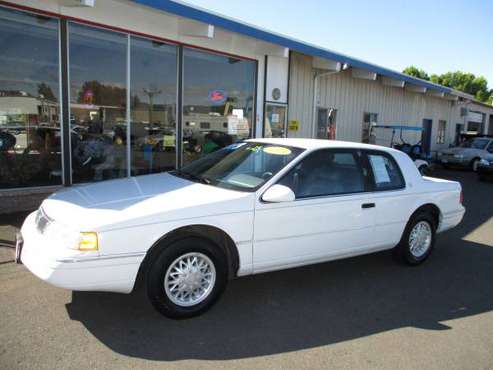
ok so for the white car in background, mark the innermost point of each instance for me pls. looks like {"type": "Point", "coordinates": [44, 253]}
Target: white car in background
{"type": "Point", "coordinates": [255, 206]}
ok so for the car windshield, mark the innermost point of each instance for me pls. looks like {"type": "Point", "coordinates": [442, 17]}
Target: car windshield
{"type": "Point", "coordinates": [244, 166]}
{"type": "Point", "coordinates": [475, 143]}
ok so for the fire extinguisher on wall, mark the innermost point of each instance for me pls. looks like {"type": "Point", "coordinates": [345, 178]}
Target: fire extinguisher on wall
{"type": "Point", "coordinates": [331, 124]}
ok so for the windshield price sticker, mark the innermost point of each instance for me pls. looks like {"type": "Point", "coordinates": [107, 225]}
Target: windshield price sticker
{"type": "Point", "coordinates": [277, 150]}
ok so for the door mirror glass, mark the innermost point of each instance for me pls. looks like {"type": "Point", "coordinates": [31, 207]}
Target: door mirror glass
{"type": "Point", "coordinates": [278, 194]}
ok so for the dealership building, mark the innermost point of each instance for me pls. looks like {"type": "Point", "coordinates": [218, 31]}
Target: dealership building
{"type": "Point", "coordinates": [92, 90]}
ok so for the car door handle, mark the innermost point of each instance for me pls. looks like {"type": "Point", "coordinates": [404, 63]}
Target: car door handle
{"type": "Point", "coordinates": [368, 205]}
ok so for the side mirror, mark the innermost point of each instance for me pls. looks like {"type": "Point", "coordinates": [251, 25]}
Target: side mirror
{"type": "Point", "coordinates": [278, 194]}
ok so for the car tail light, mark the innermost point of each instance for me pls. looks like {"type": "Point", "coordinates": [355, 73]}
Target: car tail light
{"type": "Point", "coordinates": [462, 197]}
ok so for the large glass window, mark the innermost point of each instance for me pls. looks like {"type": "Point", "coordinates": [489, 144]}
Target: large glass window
{"type": "Point", "coordinates": [218, 101]}
{"type": "Point", "coordinates": [153, 70]}
{"type": "Point", "coordinates": [29, 108]}
{"type": "Point", "coordinates": [98, 95]}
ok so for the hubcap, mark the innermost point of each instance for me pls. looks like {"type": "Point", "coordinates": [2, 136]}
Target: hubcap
{"type": "Point", "coordinates": [190, 279]}
{"type": "Point", "coordinates": [420, 239]}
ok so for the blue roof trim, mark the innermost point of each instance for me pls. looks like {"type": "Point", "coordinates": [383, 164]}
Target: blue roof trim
{"type": "Point", "coordinates": [244, 29]}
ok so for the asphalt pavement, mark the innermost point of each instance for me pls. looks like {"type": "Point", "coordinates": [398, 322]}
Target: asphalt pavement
{"type": "Point", "coordinates": [358, 313]}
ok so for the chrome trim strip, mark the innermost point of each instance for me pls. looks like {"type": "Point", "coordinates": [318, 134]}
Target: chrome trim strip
{"type": "Point", "coordinates": [100, 258]}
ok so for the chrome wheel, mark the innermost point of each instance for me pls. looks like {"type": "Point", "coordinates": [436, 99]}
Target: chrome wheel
{"type": "Point", "coordinates": [190, 279]}
{"type": "Point", "coordinates": [420, 239]}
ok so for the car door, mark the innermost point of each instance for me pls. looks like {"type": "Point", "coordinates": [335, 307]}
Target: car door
{"type": "Point", "coordinates": [393, 204]}
{"type": "Point", "coordinates": [329, 218]}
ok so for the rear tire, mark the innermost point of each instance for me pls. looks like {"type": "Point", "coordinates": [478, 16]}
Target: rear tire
{"type": "Point", "coordinates": [186, 277]}
{"type": "Point", "coordinates": [418, 239]}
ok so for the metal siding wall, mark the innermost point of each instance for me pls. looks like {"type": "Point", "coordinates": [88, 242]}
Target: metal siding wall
{"type": "Point", "coordinates": [352, 97]}
{"type": "Point", "coordinates": [301, 94]}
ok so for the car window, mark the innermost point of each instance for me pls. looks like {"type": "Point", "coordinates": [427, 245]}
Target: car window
{"type": "Point", "coordinates": [326, 172]}
{"type": "Point", "coordinates": [490, 147]}
{"type": "Point", "coordinates": [386, 173]}
{"type": "Point", "coordinates": [243, 166]}
{"type": "Point", "coordinates": [475, 143]}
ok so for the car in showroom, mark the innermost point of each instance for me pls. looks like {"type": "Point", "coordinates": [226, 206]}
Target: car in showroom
{"type": "Point", "coordinates": [251, 207]}
{"type": "Point", "coordinates": [468, 154]}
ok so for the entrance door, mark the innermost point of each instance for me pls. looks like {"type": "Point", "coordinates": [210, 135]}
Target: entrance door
{"type": "Point", "coordinates": [275, 120]}
{"type": "Point", "coordinates": [426, 136]}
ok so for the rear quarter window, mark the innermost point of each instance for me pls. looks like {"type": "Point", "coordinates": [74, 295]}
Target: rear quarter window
{"type": "Point", "coordinates": [386, 173]}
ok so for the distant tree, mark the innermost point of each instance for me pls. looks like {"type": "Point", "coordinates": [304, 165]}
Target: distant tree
{"type": "Point", "coordinates": [461, 81]}
{"type": "Point", "coordinates": [45, 90]}
{"type": "Point", "coordinates": [465, 82]}
{"type": "Point", "coordinates": [416, 72]}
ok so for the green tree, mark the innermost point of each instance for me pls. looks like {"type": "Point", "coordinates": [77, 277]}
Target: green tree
{"type": "Point", "coordinates": [468, 83]}
{"type": "Point", "coordinates": [416, 72]}
{"type": "Point", "coordinates": [465, 82]}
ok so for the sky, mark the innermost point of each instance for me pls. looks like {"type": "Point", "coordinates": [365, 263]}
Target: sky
{"type": "Point", "coordinates": [435, 35]}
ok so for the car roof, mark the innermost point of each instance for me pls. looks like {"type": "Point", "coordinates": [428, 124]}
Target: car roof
{"type": "Point", "coordinates": [310, 144]}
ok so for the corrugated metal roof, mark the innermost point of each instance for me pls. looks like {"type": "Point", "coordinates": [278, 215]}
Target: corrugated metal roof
{"type": "Point", "coordinates": [205, 16]}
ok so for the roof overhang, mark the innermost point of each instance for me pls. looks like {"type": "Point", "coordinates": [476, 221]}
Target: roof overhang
{"type": "Point", "coordinates": [389, 81]}
{"type": "Point", "coordinates": [284, 44]}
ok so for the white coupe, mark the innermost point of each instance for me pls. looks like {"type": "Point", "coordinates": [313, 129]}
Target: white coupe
{"type": "Point", "coordinates": [255, 206]}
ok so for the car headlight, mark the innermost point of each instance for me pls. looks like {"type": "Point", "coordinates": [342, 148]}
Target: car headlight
{"type": "Point", "coordinates": [88, 241]}
{"type": "Point", "coordinates": [458, 156]}
{"type": "Point", "coordinates": [484, 162]}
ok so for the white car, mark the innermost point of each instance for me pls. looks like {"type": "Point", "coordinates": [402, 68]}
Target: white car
{"type": "Point", "coordinates": [255, 206]}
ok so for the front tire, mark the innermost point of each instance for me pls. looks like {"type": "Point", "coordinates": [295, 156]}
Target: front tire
{"type": "Point", "coordinates": [418, 239]}
{"type": "Point", "coordinates": [186, 277]}
{"type": "Point", "coordinates": [475, 164]}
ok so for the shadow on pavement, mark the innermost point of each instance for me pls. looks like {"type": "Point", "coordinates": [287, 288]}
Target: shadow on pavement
{"type": "Point", "coordinates": [311, 306]}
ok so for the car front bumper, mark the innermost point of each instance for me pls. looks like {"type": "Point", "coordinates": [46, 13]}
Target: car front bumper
{"type": "Point", "coordinates": [44, 258]}
{"type": "Point", "coordinates": [452, 160]}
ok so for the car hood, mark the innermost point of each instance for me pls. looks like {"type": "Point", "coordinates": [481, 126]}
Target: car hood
{"type": "Point", "coordinates": [140, 200]}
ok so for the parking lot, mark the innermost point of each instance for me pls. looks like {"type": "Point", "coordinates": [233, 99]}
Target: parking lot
{"type": "Point", "coordinates": [364, 312]}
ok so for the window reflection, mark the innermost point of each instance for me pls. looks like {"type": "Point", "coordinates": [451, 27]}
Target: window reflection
{"type": "Point", "coordinates": [218, 102]}
{"type": "Point", "coordinates": [153, 105]}
{"type": "Point", "coordinates": [98, 95]}
{"type": "Point", "coordinates": [29, 108]}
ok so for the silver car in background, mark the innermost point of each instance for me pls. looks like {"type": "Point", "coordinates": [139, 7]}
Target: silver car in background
{"type": "Point", "coordinates": [468, 154]}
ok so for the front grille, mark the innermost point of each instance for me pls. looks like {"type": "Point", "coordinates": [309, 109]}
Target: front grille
{"type": "Point", "coordinates": [42, 221]}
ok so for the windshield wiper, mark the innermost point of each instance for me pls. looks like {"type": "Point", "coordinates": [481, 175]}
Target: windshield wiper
{"type": "Point", "coordinates": [193, 177]}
